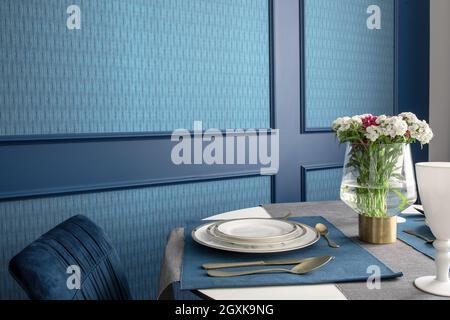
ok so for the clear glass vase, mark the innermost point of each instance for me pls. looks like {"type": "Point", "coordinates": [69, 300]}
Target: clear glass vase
{"type": "Point", "coordinates": [378, 180]}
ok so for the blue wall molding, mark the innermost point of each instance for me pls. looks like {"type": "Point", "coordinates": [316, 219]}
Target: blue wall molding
{"type": "Point", "coordinates": [304, 129]}
{"type": "Point", "coordinates": [79, 137]}
{"type": "Point", "coordinates": [304, 169]}
{"type": "Point", "coordinates": [272, 84]}
{"type": "Point", "coordinates": [295, 148]}
{"type": "Point", "coordinates": [36, 166]}
{"type": "Point", "coordinates": [413, 76]}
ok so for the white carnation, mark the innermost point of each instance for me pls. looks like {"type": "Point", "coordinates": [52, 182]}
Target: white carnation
{"type": "Point", "coordinates": [387, 126]}
{"type": "Point", "coordinates": [422, 132]}
{"type": "Point", "coordinates": [419, 130]}
{"type": "Point", "coordinates": [409, 117]}
{"type": "Point", "coordinates": [345, 123]}
{"type": "Point", "coordinates": [357, 119]}
{"type": "Point", "coordinates": [395, 126]}
{"type": "Point", "coordinates": [381, 119]}
{"type": "Point", "coordinates": [373, 133]}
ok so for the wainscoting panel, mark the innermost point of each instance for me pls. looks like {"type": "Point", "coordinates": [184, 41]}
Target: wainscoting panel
{"type": "Point", "coordinates": [134, 66]}
{"type": "Point", "coordinates": [348, 69]}
{"type": "Point", "coordinates": [321, 182]}
{"type": "Point", "coordinates": [137, 221]}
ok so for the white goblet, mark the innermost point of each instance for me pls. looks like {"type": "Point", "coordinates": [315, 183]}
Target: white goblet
{"type": "Point", "coordinates": [434, 188]}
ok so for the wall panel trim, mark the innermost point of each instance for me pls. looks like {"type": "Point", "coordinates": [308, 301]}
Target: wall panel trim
{"type": "Point", "coordinates": [304, 169]}
{"type": "Point", "coordinates": [303, 128]}
{"type": "Point", "coordinates": [37, 166]}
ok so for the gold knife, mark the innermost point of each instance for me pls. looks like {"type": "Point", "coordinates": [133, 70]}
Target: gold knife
{"type": "Point", "coordinates": [212, 266]}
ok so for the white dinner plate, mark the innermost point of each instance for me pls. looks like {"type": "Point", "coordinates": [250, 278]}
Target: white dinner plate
{"type": "Point", "coordinates": [255, 229]}
{"type": "Point", "coordinates": [297, 231]}
{"type": "Point", "coordinates": [201, 236]}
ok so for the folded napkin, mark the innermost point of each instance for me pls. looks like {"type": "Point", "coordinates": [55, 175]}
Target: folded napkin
{"type": "Point", "coordinates": [416, 223]}
{"type": "Point", "coordinates": [351, 263]}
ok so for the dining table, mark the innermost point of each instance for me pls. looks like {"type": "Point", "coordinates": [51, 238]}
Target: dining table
{"type": "Point", "coordinates": [398, 256]}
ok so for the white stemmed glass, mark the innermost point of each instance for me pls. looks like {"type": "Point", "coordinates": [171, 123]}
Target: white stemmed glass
{"type": "Point", "coordinates": [434, 187]}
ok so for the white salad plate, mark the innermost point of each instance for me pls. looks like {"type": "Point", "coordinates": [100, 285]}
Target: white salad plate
{"type": "Point", "coordinates": [257, 231]}
{"type": "Point", "coordinates": [309, 237]}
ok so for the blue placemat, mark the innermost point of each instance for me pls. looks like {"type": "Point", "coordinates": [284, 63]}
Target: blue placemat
{"type": "Point", "coordinates": [351, 263]}
{"type": "Point", "coordinates": [416, 223]}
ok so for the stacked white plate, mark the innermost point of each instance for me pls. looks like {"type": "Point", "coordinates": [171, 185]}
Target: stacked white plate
{"type": "Point", "coordinates": [256, 235]}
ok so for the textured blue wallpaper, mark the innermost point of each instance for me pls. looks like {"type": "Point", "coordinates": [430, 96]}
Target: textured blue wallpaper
{"type": "Point", "coordinates": [135, 66]}
{"type": "Point", "coordinates": [323, 184]}
{"type": "Point", "coordinates": [138, 221]}
{"type": "Point", "coordinates": [349, 69]}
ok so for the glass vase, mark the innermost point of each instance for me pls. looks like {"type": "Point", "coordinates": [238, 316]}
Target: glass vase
{"type": "Point", "coordinates": [378, 183]}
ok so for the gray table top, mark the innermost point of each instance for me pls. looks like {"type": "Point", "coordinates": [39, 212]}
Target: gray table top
{"type": "Point", "coordinates": [398, 256]}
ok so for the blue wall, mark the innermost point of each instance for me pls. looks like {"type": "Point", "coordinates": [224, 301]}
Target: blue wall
{"type": "Point", "coordinates": [134, 67]}
{"type": "Point", "coordinates": [157, 65]}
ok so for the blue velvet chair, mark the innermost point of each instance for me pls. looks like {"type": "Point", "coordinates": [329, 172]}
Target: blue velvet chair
{"type": "Point", "coordinates": [41, 269]}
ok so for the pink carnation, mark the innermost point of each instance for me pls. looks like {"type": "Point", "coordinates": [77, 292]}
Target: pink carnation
{"type": "Point", "coordinates": [369, 121]}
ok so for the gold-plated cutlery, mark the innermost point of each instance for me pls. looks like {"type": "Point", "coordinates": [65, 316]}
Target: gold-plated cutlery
{"type": "Point", "coordinates": [420, 236]}
{"type": "Point", "coordinates": [323, 230]}
{"type": "Point", "coordinates": [212, 266]}
{"type": "Point", "coordinates": [307, 265]}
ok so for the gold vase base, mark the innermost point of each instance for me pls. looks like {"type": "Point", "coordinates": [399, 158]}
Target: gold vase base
{"type": "Point", "coordinates": [378, 230]}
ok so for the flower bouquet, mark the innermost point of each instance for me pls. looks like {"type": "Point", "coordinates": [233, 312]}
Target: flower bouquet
{"type": "Point", "coordinates": [378, 178]}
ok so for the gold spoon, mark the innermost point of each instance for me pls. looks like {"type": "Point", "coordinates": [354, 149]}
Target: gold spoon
{"type": "Point", "coordinates": [323, 230]}
{"type": "Point", "coordinates": [306, 266]}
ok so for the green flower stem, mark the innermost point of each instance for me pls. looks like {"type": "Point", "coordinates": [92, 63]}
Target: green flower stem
{"type": "Point", "coordinates": [375, 165]}
{"type": "Point", "coordinates": [372, 202]}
